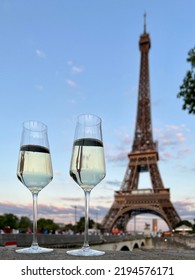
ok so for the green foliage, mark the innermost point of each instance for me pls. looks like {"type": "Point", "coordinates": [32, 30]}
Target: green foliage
{"type": "Point", "coordinates": [2, 225]}
{"type": "Point", "coordinates": [191, 57]}
{"type": "Point", "coordinates": [80, 226]}
{"type": "Point", "coordinates": [8, 220]}
{"type": "Point", "coordinates": [187, 89]}
{"type": "Point", "coordinates": [46, 224]}
{"type": "Point", "coordinates": [24, 223]}
{"type": "Point", "coordinates": [184, 222]}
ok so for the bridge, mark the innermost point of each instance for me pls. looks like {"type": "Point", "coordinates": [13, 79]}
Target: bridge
{"type": "Point", "coordinates": [125, 244]}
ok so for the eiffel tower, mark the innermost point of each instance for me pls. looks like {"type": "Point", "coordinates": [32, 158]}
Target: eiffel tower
{"type": "Point", "coordinates": [130, 201]}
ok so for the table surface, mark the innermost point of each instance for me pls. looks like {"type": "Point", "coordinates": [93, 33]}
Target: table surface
{"type": "Point", "coordinates": [7, 253]}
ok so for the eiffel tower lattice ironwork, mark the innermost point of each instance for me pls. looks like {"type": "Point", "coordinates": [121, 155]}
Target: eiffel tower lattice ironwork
{"type": "Point", "coordinates": [130, 200]}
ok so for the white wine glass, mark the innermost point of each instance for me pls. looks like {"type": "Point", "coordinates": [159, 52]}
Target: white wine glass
{"type": "Point", "coordinates": [87, 168]}
{"type": "Point", "coordinates": [34, 170]}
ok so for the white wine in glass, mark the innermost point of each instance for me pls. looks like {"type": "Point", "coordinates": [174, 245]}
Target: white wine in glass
{"type": "Point", "coordinates": [87, 168]}
{"type": "Point", "coordinates": [34, 170]}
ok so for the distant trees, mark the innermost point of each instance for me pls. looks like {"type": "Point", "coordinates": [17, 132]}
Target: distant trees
{"type": "Point", "coordinates": [80, 225]}
{"type": "Point", "coordinates": [24, 224]}
{"type": "Point", "coordinates": [184, 222]}
{"type": "Point", "coordinates": [8, 220]}
{"type": "Point", "coordinates": [187, 223]}
{"type": "Point", "coordinates": [46, 224]}
{"type": "Point", "coordinates": [187, 89]}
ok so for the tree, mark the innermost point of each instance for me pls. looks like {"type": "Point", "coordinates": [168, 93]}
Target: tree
{"type": "Point", "coordinates": [184, 222]}
{"type": "Point", "coordinates": [11, 221]}
{"type": "Point", "coordinates": [2, 222]}
{"type": "Point", "coordinates": [46, 224]}
{"type": "Point", "coordinates": [187, 89]}
{"type": "Point", "coordinates": [24, 224]}
{"type": "Point", "coordinates": [80, 226]}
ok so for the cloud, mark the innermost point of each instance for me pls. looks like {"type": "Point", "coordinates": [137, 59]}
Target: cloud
{"type": "Point", "coordinates": [186, 208]}
{"type": "Point", "coordinates": [114, 183]}
{"type": "Point", "coordinates": [168, 142]}
{"type": "Point", "coordinates": [72, 199]}
{"type": "Point", "coordinates": [76, 69]}
{"type": "Point", "coordinates": [71, 83]}
{"type": "Point", "coordinates": [116, 157]}
{"type": "Point", "coordinates": [118, 154]}
{"type": "Point", "coordinates": [171, 132]}
{"type": "Point", "coordinates": [172, 141]}
{"type": "Point", "coordinates": [73, 69]}
{"type": "Point", "coordinates": [166, 155]}
{"type": "Point", "coordinates": [180, 137]}
{"type": "Point", "coordinates": [40, 53]}
{"type": "Point", "coordinates": [64, 214]}
{"type": "Point", "coordinates": [8, 207]}
{"type": "Point", "coordinates": [57, 213]}
{"type": "Point", "coordinates": [183, 152]}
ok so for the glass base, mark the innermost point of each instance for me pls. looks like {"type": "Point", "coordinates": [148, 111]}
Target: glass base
{"type": "Point", "coordinates": [86, 252]}
{"type": "Point", "coordinates": [34, 250]}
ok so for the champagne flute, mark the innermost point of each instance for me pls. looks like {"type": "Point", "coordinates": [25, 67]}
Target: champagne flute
{"type": "Point", "coordinates": [87, 168]}
{"type": "Point", "coordinates": [34, 170]}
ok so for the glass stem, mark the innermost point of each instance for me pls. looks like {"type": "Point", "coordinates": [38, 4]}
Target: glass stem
{"type": "Point", "coordinates": [86, 236]}
{"type": "Point", "coordinates": [35, 243]}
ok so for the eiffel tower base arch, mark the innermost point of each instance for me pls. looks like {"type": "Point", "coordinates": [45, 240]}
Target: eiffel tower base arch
{"type": "Point", "coordinates": [146, 201]}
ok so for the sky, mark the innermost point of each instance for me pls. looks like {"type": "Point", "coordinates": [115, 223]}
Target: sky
{"type": "Point", "coordinates": [59, 59]}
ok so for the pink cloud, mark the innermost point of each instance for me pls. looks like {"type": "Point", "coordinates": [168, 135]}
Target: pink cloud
{"type": "Point", "coordinates": [167, 154]}
{"type": "Point", "coordinates": [180, 137]}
